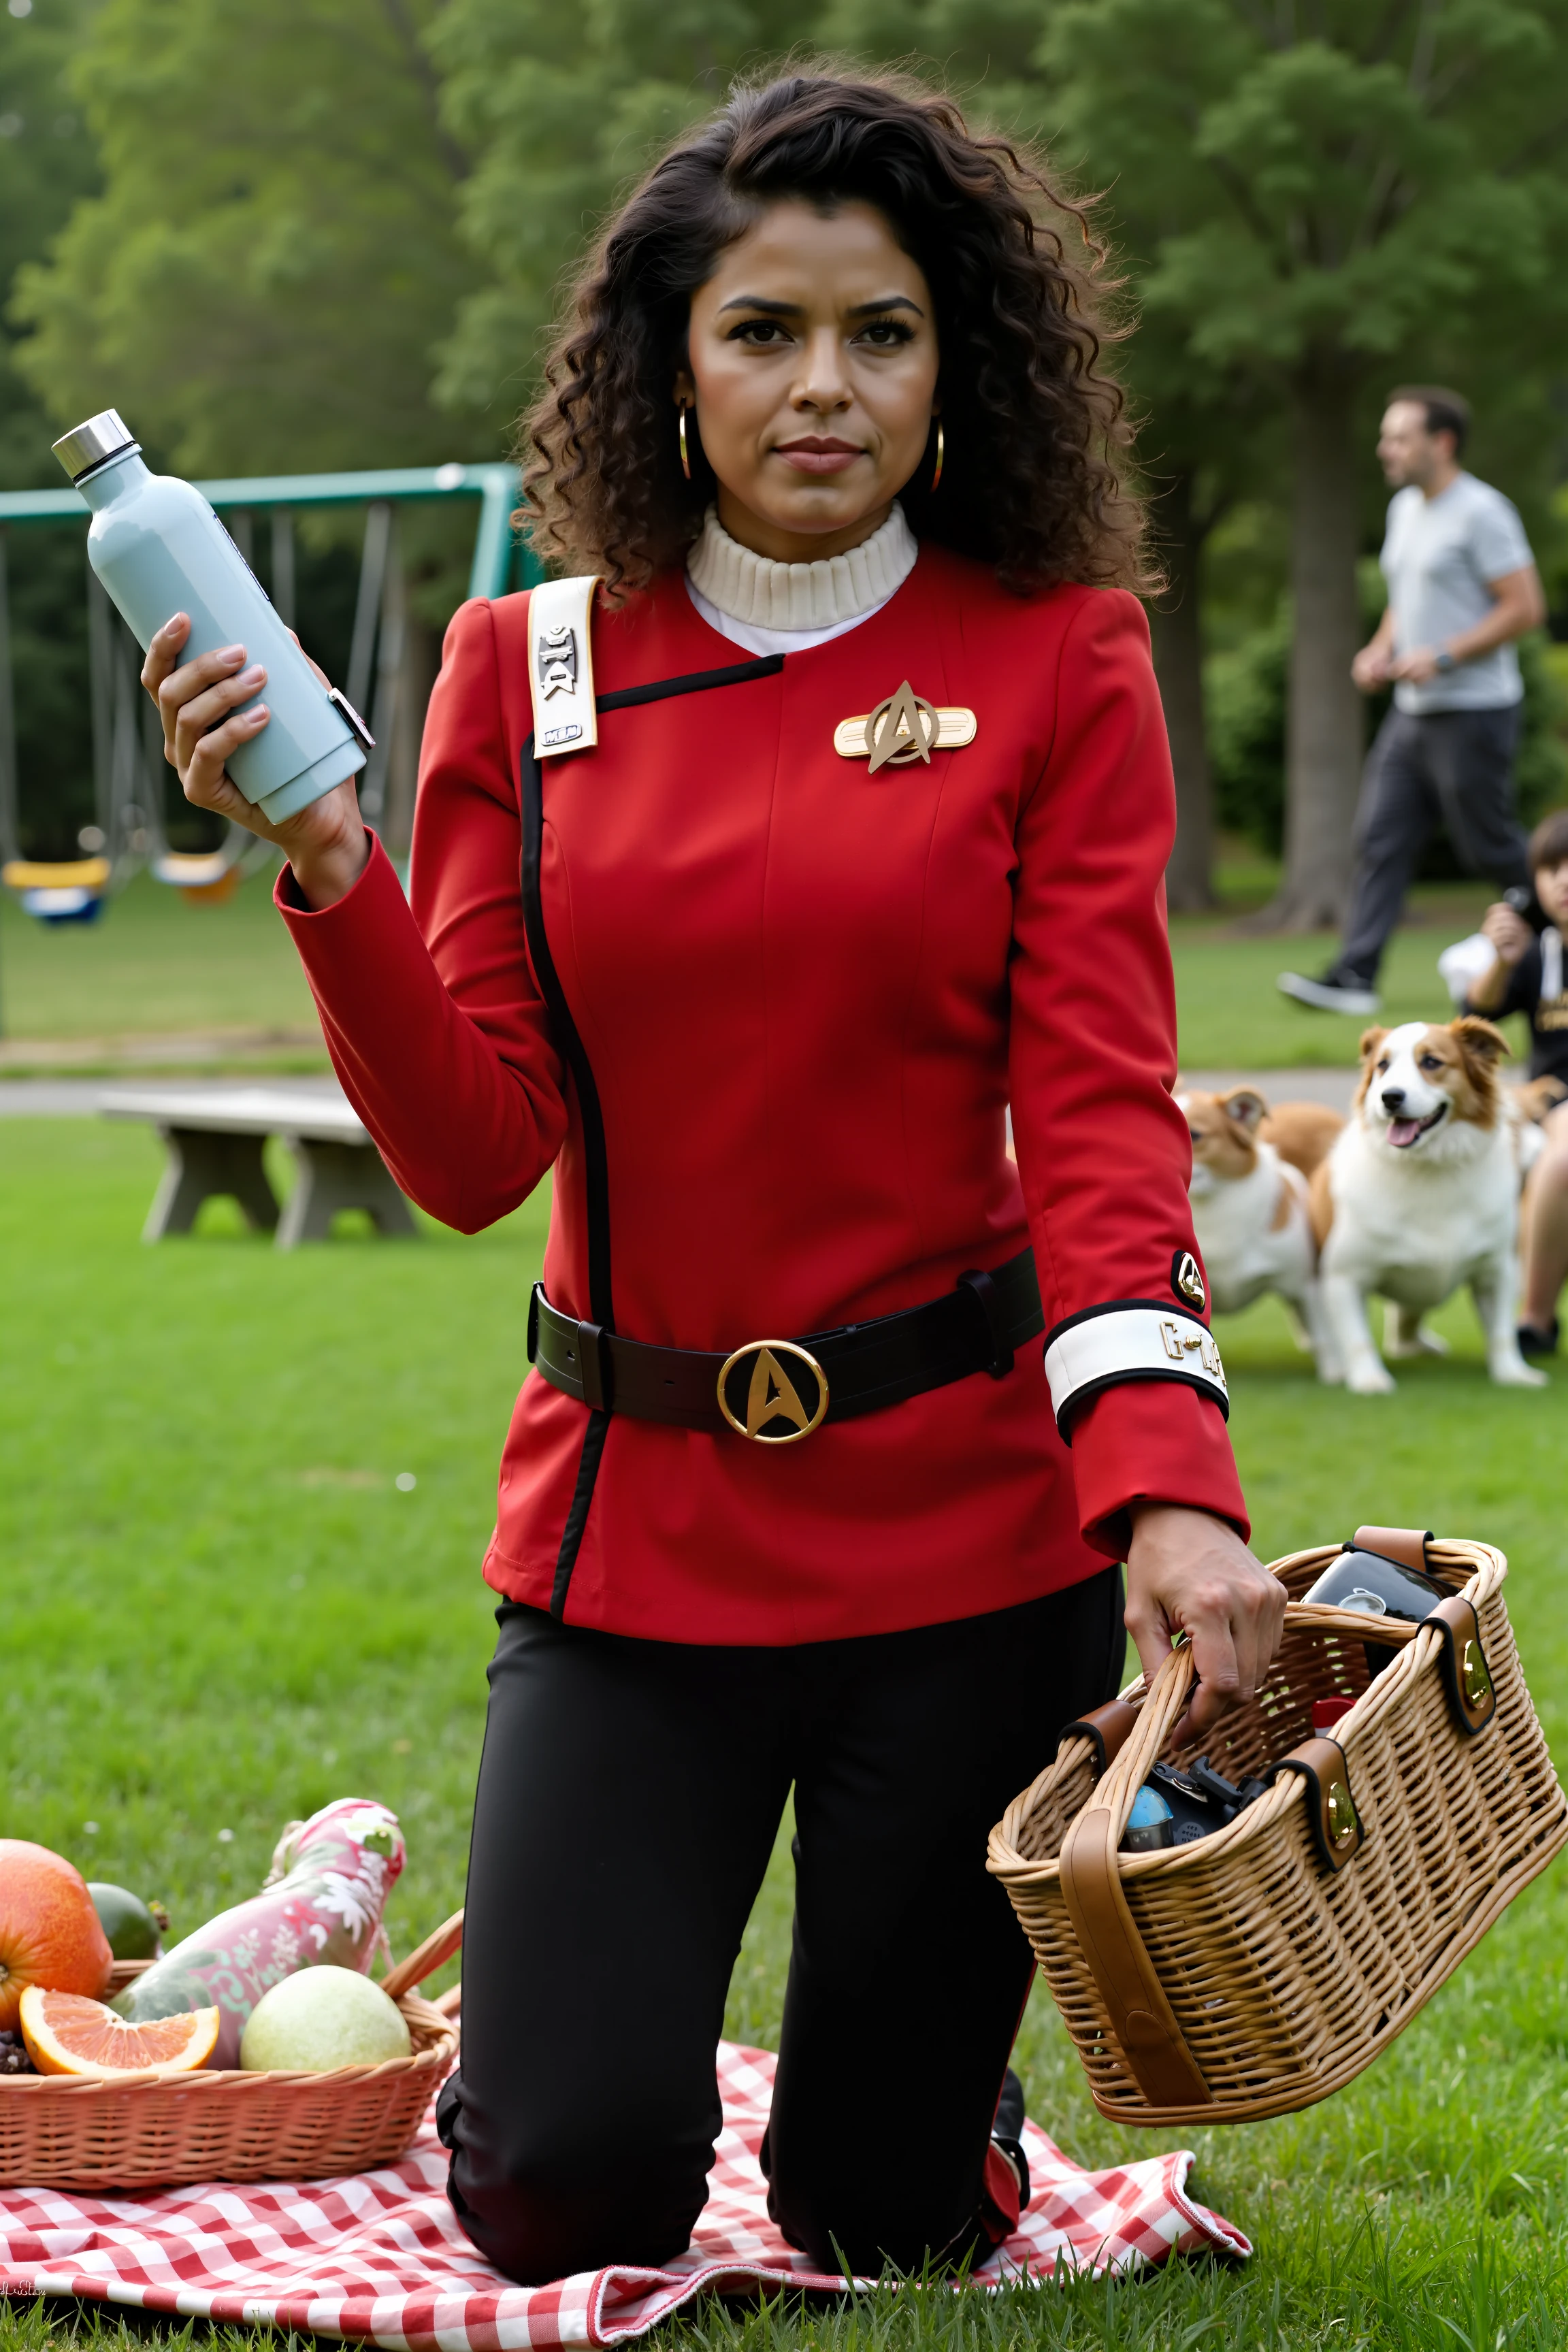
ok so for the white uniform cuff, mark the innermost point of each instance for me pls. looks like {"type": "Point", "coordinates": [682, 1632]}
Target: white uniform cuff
{"type": "Point", "coordinates": [1130, 1340]}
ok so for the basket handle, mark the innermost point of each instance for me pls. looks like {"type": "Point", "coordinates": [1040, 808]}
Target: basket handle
{"type": "Point", "coordinates": [1141, 2016]}
{"type": "Point", "coordinates": [1117, 1958]}
{"type": "Point", "coordinates": [424, 1958]}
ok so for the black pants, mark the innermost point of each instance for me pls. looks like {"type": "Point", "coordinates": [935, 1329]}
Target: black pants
{"type": "Point", "coordinates": [629, 1796]}
{"type": "Point", "coordinates": [1453, 767]}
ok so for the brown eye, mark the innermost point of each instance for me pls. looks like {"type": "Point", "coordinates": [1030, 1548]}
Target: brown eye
{"type": "Point", "coordinates": [1431, 1062]}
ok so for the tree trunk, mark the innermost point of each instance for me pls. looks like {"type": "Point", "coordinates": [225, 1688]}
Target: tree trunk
{"type": "Point", "coordinates": [1327, 734]}
{"type": "Point", "coordinates": [1176, 625]}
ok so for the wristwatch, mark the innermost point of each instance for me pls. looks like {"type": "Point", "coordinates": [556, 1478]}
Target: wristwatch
{"type": "Point", "coordinates": [1444, 662]}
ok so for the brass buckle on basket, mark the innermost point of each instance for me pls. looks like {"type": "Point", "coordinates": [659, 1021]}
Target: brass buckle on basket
{"type": "Point", "coordinates": [1466, 1677]}
{"type": "Point", "coordinates": [756, 1391]}
{"type": "Point", "coordinates": [1337, 1828]}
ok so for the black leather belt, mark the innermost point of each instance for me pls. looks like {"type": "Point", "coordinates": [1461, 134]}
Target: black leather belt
{"type": "Point", "coordinates": [776, 1391]}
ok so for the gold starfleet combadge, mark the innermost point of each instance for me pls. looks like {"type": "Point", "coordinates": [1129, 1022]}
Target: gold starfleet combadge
{"type": "Point", "coordinates": [772, 1391]}
{"type": "Point", "coordinates": [1187, 1281]}
{"type": "Point", "coordinates": [903, 728]}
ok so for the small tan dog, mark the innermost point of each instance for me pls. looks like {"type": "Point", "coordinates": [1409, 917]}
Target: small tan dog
{"type": "Point", "coordinates": [1250, 1201]}
{"type": "Point", "coordinates": [1419, 1194]}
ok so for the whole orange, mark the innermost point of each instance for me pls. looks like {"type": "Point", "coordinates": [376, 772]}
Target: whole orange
{"type": "Point", "coordinates": [49, 1932]}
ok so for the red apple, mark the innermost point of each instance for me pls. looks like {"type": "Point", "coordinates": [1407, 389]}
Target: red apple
{"type": "Point", "coordinates": [49, 1931]}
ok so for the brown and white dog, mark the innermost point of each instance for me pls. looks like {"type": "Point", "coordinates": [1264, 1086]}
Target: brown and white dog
{"type": "Point", "coordinates": [1248, 1194]}
{"type": "Point", "coordinates": [1421, 1194]}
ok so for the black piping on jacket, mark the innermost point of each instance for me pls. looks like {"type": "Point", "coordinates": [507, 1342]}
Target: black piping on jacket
{"type": "Point", "coordinates": [596, 1159]}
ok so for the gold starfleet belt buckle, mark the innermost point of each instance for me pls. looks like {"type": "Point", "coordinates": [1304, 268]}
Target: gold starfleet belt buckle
{"type": "Point", "coordinates": [756, 1392]}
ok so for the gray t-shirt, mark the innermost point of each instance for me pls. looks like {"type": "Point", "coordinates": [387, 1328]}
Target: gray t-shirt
{"type": "Point", "coordinates": [1437, 556]}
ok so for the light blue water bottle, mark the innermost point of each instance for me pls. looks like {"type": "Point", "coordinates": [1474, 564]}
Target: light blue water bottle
{"type": "Point", "coordinates": [159, 549]}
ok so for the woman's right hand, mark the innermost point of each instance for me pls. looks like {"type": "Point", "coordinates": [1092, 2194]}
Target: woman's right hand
{"type": "Point", "coordinates": [326, 843]}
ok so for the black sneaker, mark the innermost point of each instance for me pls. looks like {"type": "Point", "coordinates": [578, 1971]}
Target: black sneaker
{"type": "Point", "coordinates": [1533, 1341]}
{"type": "Point", "coordinates": [1338, 990]}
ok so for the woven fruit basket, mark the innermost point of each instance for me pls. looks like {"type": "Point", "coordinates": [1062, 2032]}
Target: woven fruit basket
{"type": "Point", "coordinates": [1261, 1968]}
{"type": "Point", "coordinates": [158, 2129]}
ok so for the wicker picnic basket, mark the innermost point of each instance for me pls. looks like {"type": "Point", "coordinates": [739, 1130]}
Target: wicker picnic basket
{"type": "Point", "coordinates": [81, 2131]}
{"type": "Point", "coordinates": [1256, 1971]}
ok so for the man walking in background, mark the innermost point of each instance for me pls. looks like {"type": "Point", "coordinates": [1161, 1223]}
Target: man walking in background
{"type": "Point", "coordinates": [1462, 585]}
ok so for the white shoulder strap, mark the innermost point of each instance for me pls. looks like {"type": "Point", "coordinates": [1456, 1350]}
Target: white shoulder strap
{"type": "Point", "coordinates": [560, 665]}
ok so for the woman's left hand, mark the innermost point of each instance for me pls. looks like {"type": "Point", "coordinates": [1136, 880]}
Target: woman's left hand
{"type": "Point", "coordinates": [1188, 1572]}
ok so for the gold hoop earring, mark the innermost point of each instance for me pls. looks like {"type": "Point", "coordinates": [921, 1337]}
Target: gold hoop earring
{"type": "Point", "coordinates": [685, 452]}
{"type": "Point", "coordinates": [940, 453]}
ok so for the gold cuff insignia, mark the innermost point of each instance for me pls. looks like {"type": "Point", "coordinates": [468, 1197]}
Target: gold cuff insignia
{"type": "Point", "coordinates": [903, 728]}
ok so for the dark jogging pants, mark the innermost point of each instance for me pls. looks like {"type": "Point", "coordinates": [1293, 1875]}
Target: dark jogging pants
{"type": "Point", "coordinates": [1448, 767]}
{"type": "Point", "coordinates": [629, 1796]}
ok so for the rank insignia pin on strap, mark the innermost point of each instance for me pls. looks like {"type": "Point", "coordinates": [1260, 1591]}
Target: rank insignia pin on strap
{"type": "Point", "coordinates": [557, 659]}
{"type": "Point", "coordinates": [561, 665]}
{"type": "Point", "coordinates": [903, 728]}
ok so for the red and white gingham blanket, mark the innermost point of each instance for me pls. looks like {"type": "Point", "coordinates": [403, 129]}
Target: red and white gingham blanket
{"type": "Point", "coordinates": [379, 2257]}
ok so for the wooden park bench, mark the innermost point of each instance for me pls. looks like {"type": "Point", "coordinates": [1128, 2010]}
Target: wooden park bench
{"type": "Point", "coordinates": [216, 1136]}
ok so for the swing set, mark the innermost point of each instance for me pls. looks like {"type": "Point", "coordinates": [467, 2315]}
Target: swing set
{"type": "Point", "coordinates": [129, 767]}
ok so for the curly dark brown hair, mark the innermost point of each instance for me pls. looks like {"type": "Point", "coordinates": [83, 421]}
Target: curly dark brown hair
{"type": "Point", "coordinates": [1035, 433]}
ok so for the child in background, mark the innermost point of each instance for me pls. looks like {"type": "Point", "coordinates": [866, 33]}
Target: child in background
{"type": "Point", "coordinates": [1527, 976]}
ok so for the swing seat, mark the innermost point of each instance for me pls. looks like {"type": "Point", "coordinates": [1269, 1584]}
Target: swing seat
{"type": "Point", "coordinates": [206, 876]}
{"type": "Point", "coordinates": [71, 892]}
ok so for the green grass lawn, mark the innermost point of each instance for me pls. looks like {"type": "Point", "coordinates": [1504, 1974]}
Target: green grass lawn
{"type": "Point", "coordinates": [1230, 1015]}
{"type": "Point", "coordinates": [155, 966]}
{"type": "Point", "coordinates": [220, 1611]}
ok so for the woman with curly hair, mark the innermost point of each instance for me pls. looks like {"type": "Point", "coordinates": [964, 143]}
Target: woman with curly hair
{"type": "Point", "coordinates": [840, 807]}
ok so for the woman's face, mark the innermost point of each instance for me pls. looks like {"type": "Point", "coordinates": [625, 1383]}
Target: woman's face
{"type": "Point", "coordinates": [812, 368]}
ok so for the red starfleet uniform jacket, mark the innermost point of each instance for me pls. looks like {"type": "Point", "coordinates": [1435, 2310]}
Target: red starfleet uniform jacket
{"type": "Point", "coordinates": [807, 995]}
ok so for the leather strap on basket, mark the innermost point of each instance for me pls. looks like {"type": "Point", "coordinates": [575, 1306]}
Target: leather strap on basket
{"type": "Point", "coordinates": [1337, 1828]}
{"type": "Point", "coordinates": [1405, 1545]}
{"type": "Point", "coordinates": [1105, 1729]}
{"type": "Point", "coordinates": [1466, 1677]}
{"type": "Point", "coordinates": [1142, 2018]}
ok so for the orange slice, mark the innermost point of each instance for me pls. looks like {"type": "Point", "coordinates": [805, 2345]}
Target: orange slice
{"type": "Point", "coordinates": [68, 2034]}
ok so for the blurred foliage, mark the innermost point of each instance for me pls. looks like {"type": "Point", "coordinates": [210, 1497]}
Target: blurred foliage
{"type": "Point", "coordinates": [237, 223]}
{"type": "Point", "coordinates": [47, 162]}
{"type": "Point", "coordinates": [274, 253]}
{"type": "Point", "coordinates": [1246, 691]}
{"type": "Point", "coordinates": [562, 109]}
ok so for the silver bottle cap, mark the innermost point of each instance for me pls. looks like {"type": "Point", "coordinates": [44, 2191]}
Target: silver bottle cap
{"type": "Point", "coordinates": [87, 446]}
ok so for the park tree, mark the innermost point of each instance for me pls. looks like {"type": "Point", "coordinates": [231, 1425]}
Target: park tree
{"type": "Point", "coordinates": [562, 110]}
{"type": "Point", "coordinates": [1198, 431]}
{"type": "Point", "coordinates": [1308, 203]}
{"type": "Point", "coordinates": [1323, 198]}
{"type": "Point", "coordinates": [1203, 445]}
{"type": "Point", "coordinates": [274, 253]}
{"type": "Point", "coordinates": [46, 162]}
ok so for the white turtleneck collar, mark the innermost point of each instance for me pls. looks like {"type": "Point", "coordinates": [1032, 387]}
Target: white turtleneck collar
{"type": "Point", "coordinates": [779, 608]}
